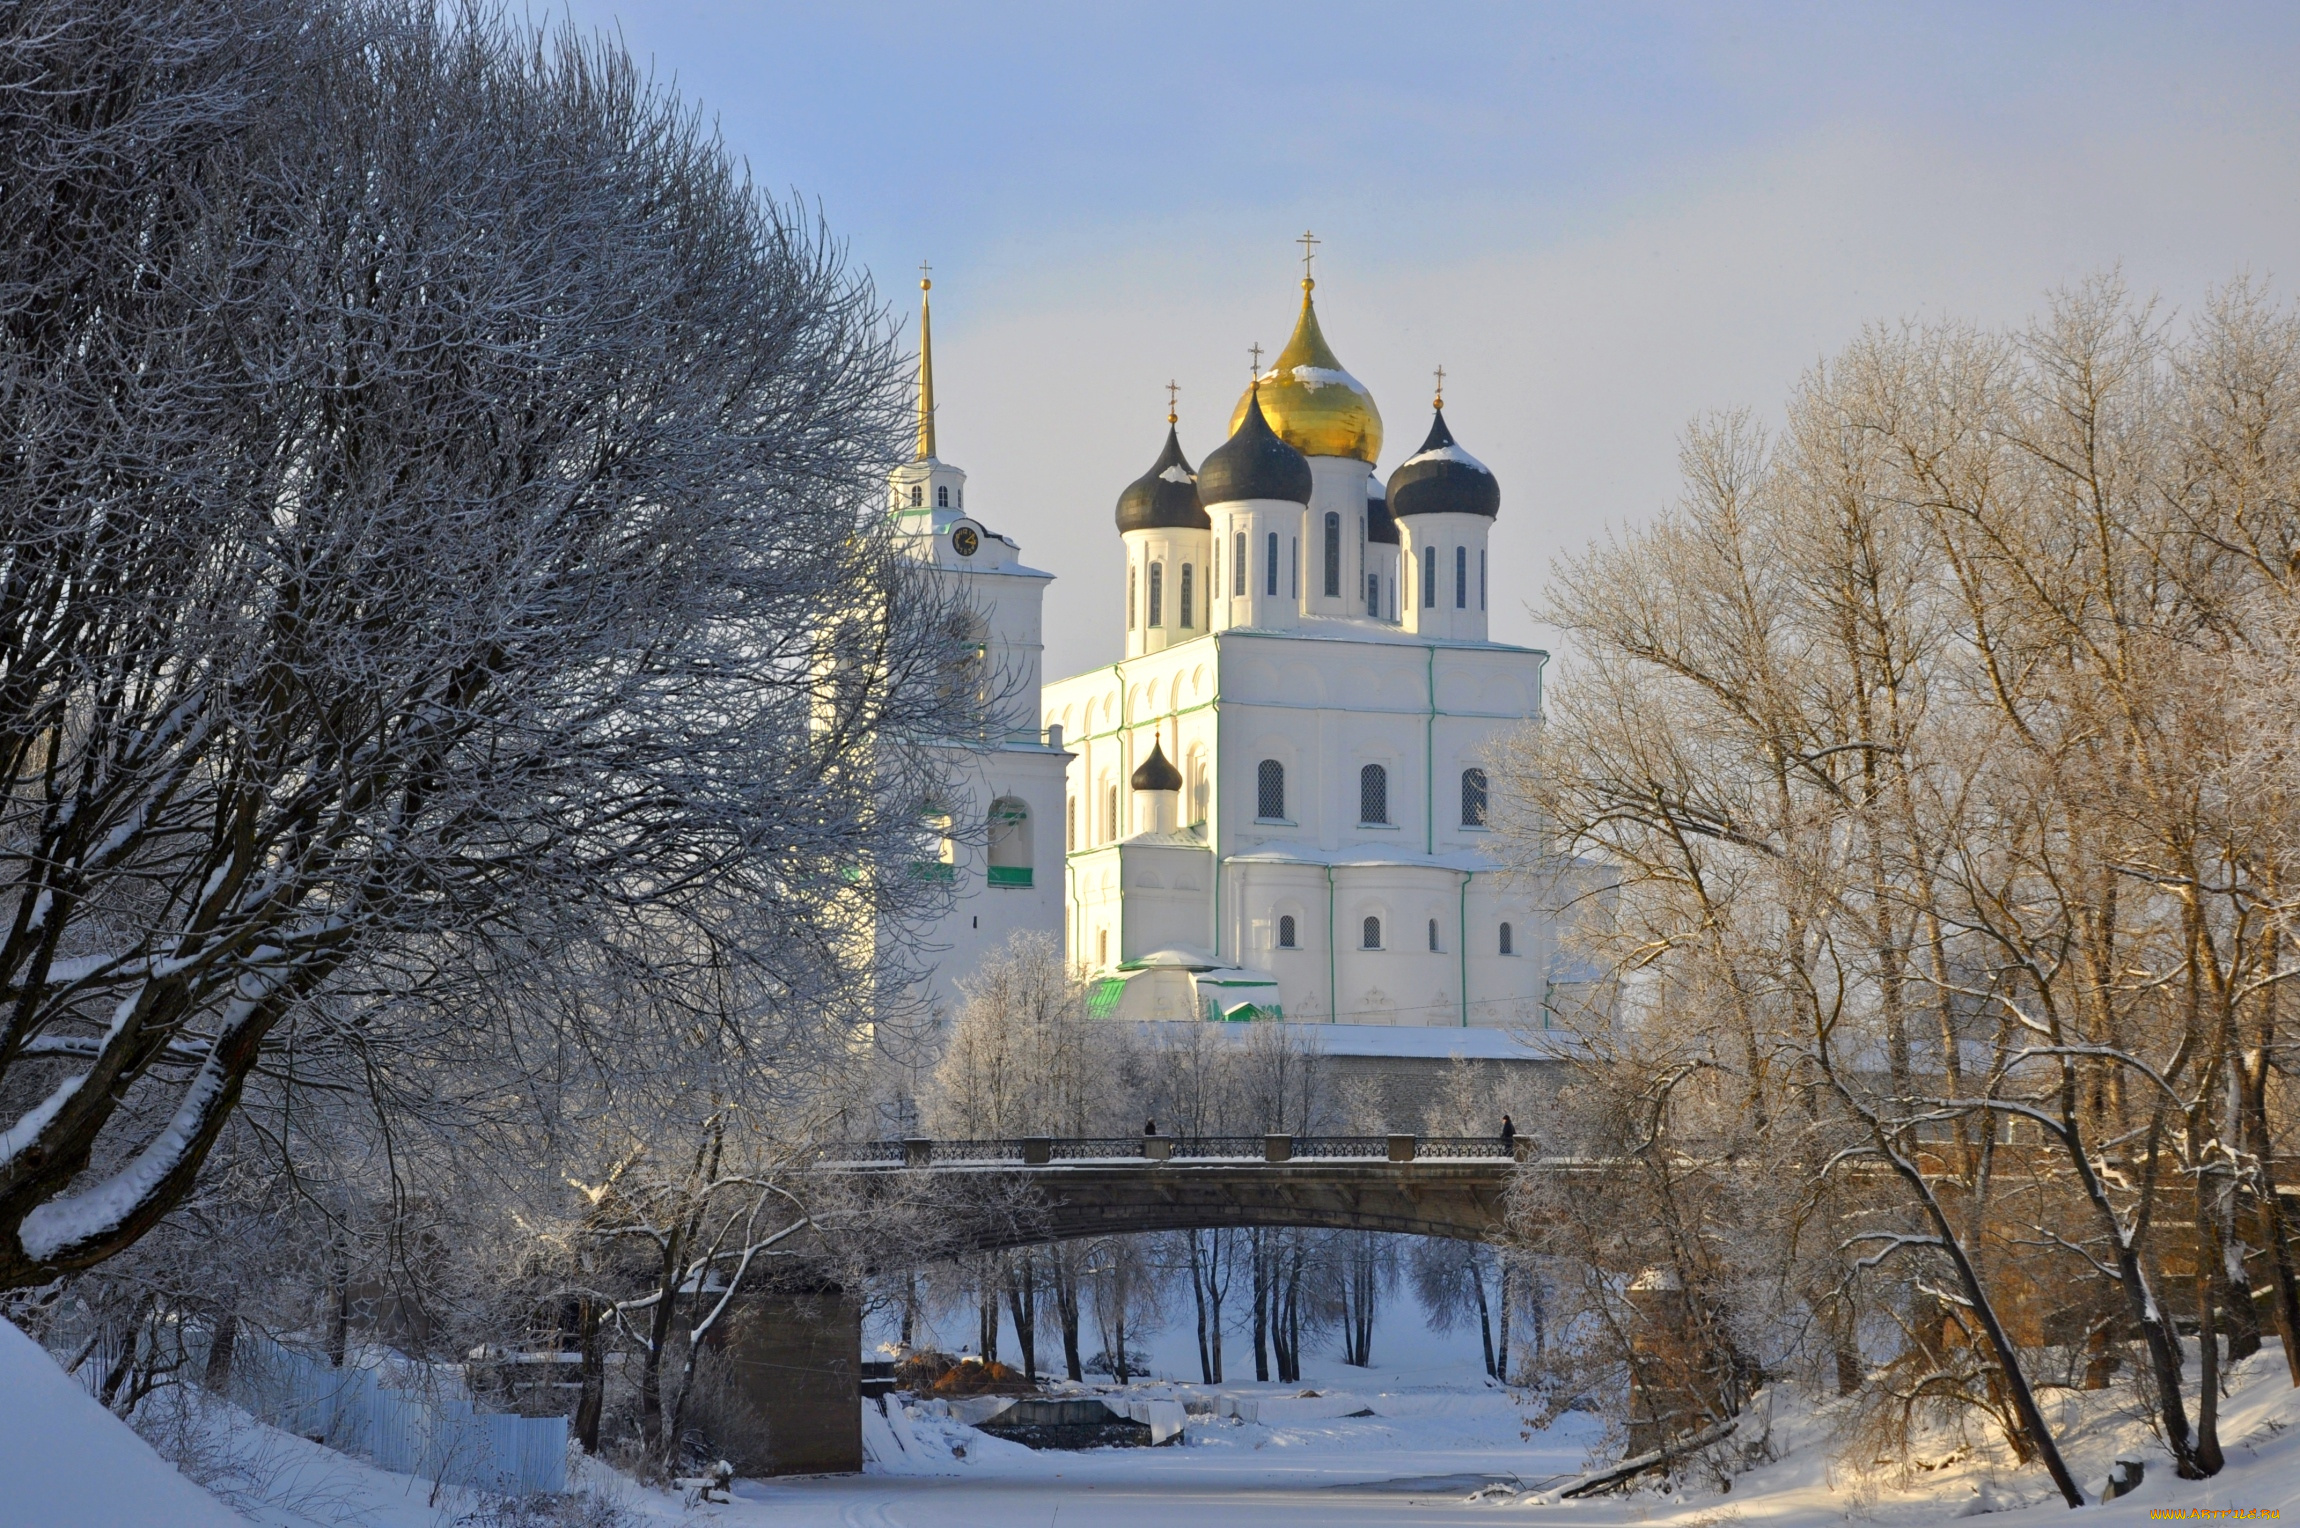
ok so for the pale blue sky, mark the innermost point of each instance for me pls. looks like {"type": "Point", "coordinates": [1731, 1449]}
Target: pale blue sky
{"type": "Point", "coordinates": [1600, 219]}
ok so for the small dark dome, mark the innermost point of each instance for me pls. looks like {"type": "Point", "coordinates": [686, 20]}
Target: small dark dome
{"type": "Point", "coordinates": [1441, 478]}
{"type": "Point", "coordinates": [1165, 497]}
{"type": "Point", "coordinates": [1380, 527]}
{"type": "Point", "coordinates": [1156, 774]}
{"type": "Point", "coordinates": [1254, 464]}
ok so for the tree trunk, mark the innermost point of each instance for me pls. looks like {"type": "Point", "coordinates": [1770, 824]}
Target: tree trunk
{"type": "Point", "coordinates": [2209, 1459]}
{"type": "Point", "coordinates": [218, 1377]}
{"type": "Point", "coordinates": [1022, 1304]}
{"type": "Point", "coordinates": [593, 1395]}
{"type": "Point", "coordinates": [1261, 1309]}
{"type": "Point", "coordinates": [1484, 1316]}
{"type": "Point", "coordinates": [1198, 1299]}
{"type": "Point", "coordinates": [986, 1287]}
{"type": "Point", "coordinates": [1501, 1347]}
{"type": "Point", "coordinates": [1066, 1311]}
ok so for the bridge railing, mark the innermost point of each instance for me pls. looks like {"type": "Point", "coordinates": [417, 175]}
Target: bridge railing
{"type": "Point", "coordinates": [1031, 1151]}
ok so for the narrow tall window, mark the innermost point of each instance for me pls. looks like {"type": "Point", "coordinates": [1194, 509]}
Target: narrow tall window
{"type": "Point", "coordinates": [1238, 566]}
{"type": "Point", "coordinates": [1473, 798]}
{"type": "Point", "coordinates": [1286, 932]}
{"type": "Point", "coordinates": [1373, 794]}
{"type": "Point", "coordinates": [1461, 578]}
{"type": "Point", "coordinates": [1109, 812]}
{"type": "Point", "coordinates": [1270, 566]}
{"type": "Point", "coordinates": [1157, 594]}
{"type": "Point", "coordinates": [1433, 936]}
{"type": "Point", "coordinates": [1186, 621]}
{"type": "Point", "coordinates": [1293, 567]}
{"type": "Point", "coordinates": [1374, 596]}
{"type": "Point", "coordinates": [1270, 791]}
{"type": "Point", "coordinates": [1481, 579]}
{"type": "Point", "coordinates": [1213, 580]}
{"type": "Point", "coordinates": [1370, 934]}
{"type": "Point", "coordinates": [1132, 574]}
{"type": "Point", "coordinates": [942, 498]}
{"type": "Point", "coordinates": [917, 495]}
{"type": "Point", "coordinates": [1102, 946]}
{"type": "Point", "coordinates": [1429, 578]}
{"type": "Point", "coordinates": [1508, 945]}
{"type": "Point", "coordinates": [1070, 823]}
{"type": "Point", "coordinates": [1333, 556]}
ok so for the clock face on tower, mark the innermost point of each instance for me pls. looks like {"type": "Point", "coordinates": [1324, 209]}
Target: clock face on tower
{"type": "Point", "coordinates": [965, 540]}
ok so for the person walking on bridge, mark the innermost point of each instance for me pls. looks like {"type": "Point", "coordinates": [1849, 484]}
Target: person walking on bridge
{"type": "Point", "coordinates": [1508, 1136]}
{"type": "Point", "coordinates": [1150, 1126]}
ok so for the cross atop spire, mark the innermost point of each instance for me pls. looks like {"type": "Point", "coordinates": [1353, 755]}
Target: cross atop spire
{"type": "Point", "coordinates": [1170, 391]}
{"type": "Point", "coordinates": [1255, 350]}
{"type": "Point", "coordinates": [1309, 242]}
{"type": "Point", "coordinates": [1439, 401]}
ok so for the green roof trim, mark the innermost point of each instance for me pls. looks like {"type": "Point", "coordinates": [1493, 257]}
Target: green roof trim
{"type": "Point", "coordinates": [1102, 997]}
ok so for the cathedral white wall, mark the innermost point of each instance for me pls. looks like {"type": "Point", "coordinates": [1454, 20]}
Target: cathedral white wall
{"type": "Point", "coordinates": [982, 916]}
{"type": "Point", "coordinates": [1337, 488]}
{"type": "Point", "coordinates": [1273, 532]}
{"type": "Point", "coordinates": [1458, 613]}
{"type": "Point", "coordinates": [1180, 557]}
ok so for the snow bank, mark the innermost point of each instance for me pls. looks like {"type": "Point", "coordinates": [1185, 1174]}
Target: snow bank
{"type": "Point", "coordinates": [66, 1460]}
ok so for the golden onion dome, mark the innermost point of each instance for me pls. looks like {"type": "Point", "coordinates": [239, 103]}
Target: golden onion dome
{"type": "Point", "coordinates": [1315, 406]}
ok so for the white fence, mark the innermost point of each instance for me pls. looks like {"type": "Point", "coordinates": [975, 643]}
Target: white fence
{"type": "Point", "coordinates": [355, 1410]}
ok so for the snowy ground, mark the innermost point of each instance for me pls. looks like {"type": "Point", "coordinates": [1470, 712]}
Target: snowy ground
{"type": "Point", "coordinates": [1437, 1434]}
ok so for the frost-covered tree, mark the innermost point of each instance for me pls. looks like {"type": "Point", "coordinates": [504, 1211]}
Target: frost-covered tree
{"type": "Point", "coordinates": [435, 532]}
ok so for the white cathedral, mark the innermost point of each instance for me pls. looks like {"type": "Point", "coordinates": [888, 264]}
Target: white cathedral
{"type": "Point", "coordinates": [1277, 804]}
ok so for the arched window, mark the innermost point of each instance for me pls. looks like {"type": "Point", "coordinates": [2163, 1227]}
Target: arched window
{"type": "Point", "coordinates": [1270, 566]}
{"type": "Point", "coordinates": [1198, 784]}
{"type": "Point", "coordinates": [1131, 573]}
{"type": "Point", "coordinates": [1461, 578]}
{"type": "Point", "coordinates": [1433, 935]}
{"type": "Point", "coordinates": [1373, 596]}
{"type": "Point", "coordinates": [1109, 812]}
{"type": "Point", "coordinates": [1238, 567]}
{"type": "Point", "coordinates": [1070, 823]}
{"type": "Point", "coordinates": [1372, 933]}
{"type": "Point", "coordinates": [942, 497]}
{"type": "Point", "coordinates": [1333, 556]}
{"type": "Point", "coordinates": [1373, 794]}
{"type": "Point", "coordinates": [917, 495]}
{"type": "Point", "coordinates": [1270, 791]}
{"type": "Point", "coordinates": [1429, 578]}
{"type": "Point", "coordinates": [1011, 859]}
{"type": "Point", "coordinates": [1508, 947]}
{"type": "Point", "coordinates": [1473, 798]}
{"type": "Point", "coordinates": [1186, 621]}
{"type": "Point", "coordinates": [1286, 932]}
{"type": "Point", "coordinates": [1102, 946]}
{"type": "Point", "coordinates": [1157, 615]}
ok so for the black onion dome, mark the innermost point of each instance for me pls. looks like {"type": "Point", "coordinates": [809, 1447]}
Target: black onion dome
{"type": "Point", "coordinates": [1156, 774]}
{"type": "Point", "coordinates": [1254, 464]}
{"type": "Point", "coordinates": [1165, 497]}
{"type": "Point", "coordinates": [1380, 527]}
{"type": "Point", "coordinates": [1441, 478]}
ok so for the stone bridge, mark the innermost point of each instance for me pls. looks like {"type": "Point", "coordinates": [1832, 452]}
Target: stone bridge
{"type": "Point", "coordinates": [1415, 1185]}
{"type": "Point", "coordinates": [796, 1359]}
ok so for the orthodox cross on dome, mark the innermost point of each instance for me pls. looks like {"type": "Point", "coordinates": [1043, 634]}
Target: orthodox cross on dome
{"type": "Point", "coordinates": [1439, 401]}
{"type": "Point", "coordinates": [1255, 350]}
{"type": "Point", "coordinates": [1170, 391]}
{"type": "Point", "coordinates": [924, 271]}
{"type": "Point", "coordinates": [1309, 242]}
